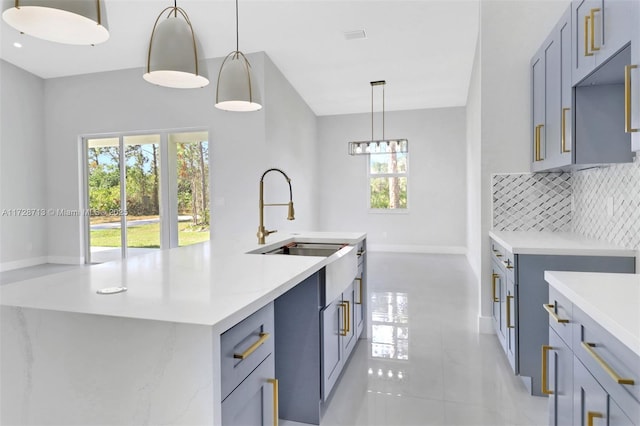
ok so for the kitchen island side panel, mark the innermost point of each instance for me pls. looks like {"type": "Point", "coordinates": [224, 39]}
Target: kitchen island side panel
{"type": "Point", "coordinates": [83, 369]}
{"type": "Point", "coordinates": [533, 292]}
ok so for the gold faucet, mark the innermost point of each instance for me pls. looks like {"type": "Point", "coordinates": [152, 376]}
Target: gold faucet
{"type": "Point", "coordinates": [262, 232]}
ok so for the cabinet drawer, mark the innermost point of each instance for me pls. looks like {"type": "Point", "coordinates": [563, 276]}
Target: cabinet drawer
{"type": "Point", "coordinates": [561, 315]}
{"type": "Point", "coordinates": [614, 356]}
{"type": "Point", "coordinates": [252, 403]}
{"type": "Point", "coordinates": [251, 339]}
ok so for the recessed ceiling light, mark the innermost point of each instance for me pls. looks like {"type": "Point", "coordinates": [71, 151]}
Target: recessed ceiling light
{"type": "Point", "coordinates": [18, 45]}
{"type": "Point", "coordinates": [355, 35]}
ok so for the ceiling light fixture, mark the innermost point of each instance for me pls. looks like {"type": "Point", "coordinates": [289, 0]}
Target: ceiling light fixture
{"type": "Point", "coordinates": [237, 90]}
{"type": "Point", "coordinates": [81, 22]}
{"type": "Point", "coordinates": [172, 60]}
{"type": "Point", "coordinates": [378, 146]}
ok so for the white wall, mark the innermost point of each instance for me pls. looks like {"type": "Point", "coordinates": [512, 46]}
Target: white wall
{"type": "Point", "coordinates": [23, 240]}
{"type": "Point", "coordinates": [510, 33]}
{"type": "Point", "coordinates": [436, 221]}
{"type": "Point", "coordinates": [242, 145]}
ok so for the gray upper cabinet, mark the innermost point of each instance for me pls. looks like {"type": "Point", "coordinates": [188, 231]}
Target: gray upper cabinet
{"type": "Point", "coordinates": [552, 101]}
{"type": "Point", "coordinates": [601, 29]}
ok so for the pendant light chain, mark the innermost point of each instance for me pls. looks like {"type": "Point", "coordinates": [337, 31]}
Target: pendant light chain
{"type": "Point", "coordinates": [237, 32]}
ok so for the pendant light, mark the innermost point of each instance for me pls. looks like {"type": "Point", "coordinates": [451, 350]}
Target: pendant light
{"type": "Point", "coordinates": [172, 60]}
{"type": "Point", "coordinates": [237, 90]}
{"type": "Point", "coordinates": [378, 146]}
{"type": "Point", "coordinates": [80, 22]}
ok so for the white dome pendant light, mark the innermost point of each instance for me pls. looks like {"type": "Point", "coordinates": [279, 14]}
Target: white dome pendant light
{"type": "Point", "coordinates": [172, 60]}
{"type": "Point", "coordinates": [237, 89]}
{"type": "Point", "coordinates": [80, 22]}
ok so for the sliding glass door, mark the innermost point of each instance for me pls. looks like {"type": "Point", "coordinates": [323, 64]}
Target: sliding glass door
{"type": "Point", "coordinates": [146, 192]}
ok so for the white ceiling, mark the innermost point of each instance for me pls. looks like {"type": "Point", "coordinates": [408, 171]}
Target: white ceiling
{"type": "Point", "coordinates": [423, 48]}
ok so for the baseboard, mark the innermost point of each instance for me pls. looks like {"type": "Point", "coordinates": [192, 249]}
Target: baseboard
{"type": "Point", "coordinates": [485, 325]}
{"type": "Point", "coordinates": [410, 248]}
{"type": "Point", "coordinates": [66, 260]}
{"type": "Point", "coordinates": [23, 263]}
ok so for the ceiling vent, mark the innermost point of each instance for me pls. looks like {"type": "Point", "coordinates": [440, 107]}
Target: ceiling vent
{"type": "Point", "coordinates": [355, 35]}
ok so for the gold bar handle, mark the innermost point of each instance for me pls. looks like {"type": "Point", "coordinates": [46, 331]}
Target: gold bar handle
{"type": "Point", "coordinates": [538, 153]}
{"type": "Point", "coordinates": [564, 130]}
{"type": "Point", "coordinates": [593, 415]}
{"type": "Point", "coordinates": [251, 349]}
{"type": "Point", "coordinates": [493, 284]}
{"type": "Point", "coordinates": [551, 310]}
{"type": "Point", "coordinates": [593, 29]}
{"type": "Point", "coordinates": [509, 312]}
{"type": "Point", "coordinates": [344, 319]}
{"type": "Point", "coordinates": [606, 367]}
{"type": "Point", "coordinates": [586, 36]}
{"type": "Point", "coordinates": [627, 99]}
{"type": "Point", "coordinates": [348, 315]}
{"type": "Point", "coordinates": [276, 405]}
{"type": "Point", "coordinates": [545, 351]}
{"type": "Point", "coordinates": [359, 302]}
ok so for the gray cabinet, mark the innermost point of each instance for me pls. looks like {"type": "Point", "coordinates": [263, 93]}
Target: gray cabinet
{"type": "Point", "coordinates": [590, 399]}
{"type": "Point", "coordinates": [552, 100]}
{"type": "Point", "coordinates": [559, 359]}
{"type": "Point", "coordinates": [601, 29]}
{"type": "Point", "coordinates": [248, 382]}
{"type": "Point", "coordinates": [520, 280]}
{"type": "Point", "coordinates": [633, 115]}
{"type": "Point", "coordinates": [332, 321]}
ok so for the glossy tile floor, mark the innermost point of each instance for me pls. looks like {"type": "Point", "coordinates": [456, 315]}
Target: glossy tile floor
{"type": "Point", "coordinates": [425, 363]}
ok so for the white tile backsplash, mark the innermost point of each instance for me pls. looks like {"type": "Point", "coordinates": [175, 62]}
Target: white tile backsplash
{"type": "Point", "coordinates": [601, 203]}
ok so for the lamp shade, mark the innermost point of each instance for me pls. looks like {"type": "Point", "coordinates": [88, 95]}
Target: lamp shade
{"type": "Point", "coordinates": [81, 22]}
{"type": "Point", "coordinates": [172, 60]}
{"type": "Point", "coordinates": [237, 88]}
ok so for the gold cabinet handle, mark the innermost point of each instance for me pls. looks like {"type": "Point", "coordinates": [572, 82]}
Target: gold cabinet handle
{"type": "Point", "coordinates": [538, 143]}
{"type": "Point", "coordinates": [606, 367]}
{"type": "Point", "coordinates": [348, 315]}
{"type": "Point", "coordinates": [276, 405]}
{"type": "Point", "coordinates": [627, 99]}
{"type": "Point", "coordinates": [551, 310]}
{"type": "Point", "coordinates": [593, 29]}
{"type": "Point", "coordinates": [587, 18]}
{"type": "Point", "coordinates": [359, 302]}
{"type": "Point", "coordinates": [509, 312]}
{"type": "Point", "coordinates": [493, 284]}
{"type": "Point", "coordinates": [344, 330]}
{"type": "Point", "coordinates": [564, 130]}
{"type": "Point", "coordinates": [593, 415]}
{"type": "Point", "coordinates": [545, 351]}
{"type": "Point", "coordinates": [251, 349]}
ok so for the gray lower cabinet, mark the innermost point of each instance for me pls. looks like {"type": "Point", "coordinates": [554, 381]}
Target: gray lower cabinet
{"type": "Point", "coordinates": [332, 347]}
{"type": "Point", "coordinates": [248, 380]}
{"type": "Point", "coordinates": [252, 402]}
{"type": "Point", "coordinates": [520, 290]}
{"type": "Point", "coordinates": [559, 359]}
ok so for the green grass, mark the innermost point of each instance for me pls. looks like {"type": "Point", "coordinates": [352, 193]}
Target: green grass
{"type": "Point", "coordinates": [146, 236]}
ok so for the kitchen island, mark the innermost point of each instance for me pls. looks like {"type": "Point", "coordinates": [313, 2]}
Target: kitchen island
{"type": "Point", "coordinates": [150, 355]}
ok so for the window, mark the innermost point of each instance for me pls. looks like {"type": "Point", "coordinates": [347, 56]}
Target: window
{"type": "Point", "coordinates": [388, 178]}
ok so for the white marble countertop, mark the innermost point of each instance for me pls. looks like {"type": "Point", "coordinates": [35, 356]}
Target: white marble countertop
{"type": "Point", "coordinates": [612, 300]}
{"type": "Point", "coordinates": [557, 243]}
{"type": "Point", "coordinates": [215, 283]}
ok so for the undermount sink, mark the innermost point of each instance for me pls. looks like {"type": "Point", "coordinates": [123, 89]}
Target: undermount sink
{"type": "Point", "coordinates": [307, 249]}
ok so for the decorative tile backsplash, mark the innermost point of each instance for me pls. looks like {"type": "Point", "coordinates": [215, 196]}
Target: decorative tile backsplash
{"type": "Point", "coordinates": [606, 204]}
{"type": "Point", "coordinates": [601, 203]}
{"type": "Point", "coordinates": [532, 202]}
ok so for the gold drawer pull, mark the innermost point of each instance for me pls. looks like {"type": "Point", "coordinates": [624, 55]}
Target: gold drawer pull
{"type": "Point", "coordinates": [593, 415]}
{"type": "Point", "coordinates": [586, 36]}
{"type": "Point", "coordinates": [359, 302]}
{"type": "Point", "coordinates": [276, 415]}
{"type": "Point", "coordinates": [550, 310]}
{"type": "Point", "coordinates": [344, 319]}
{"type": "Point", "coordinates": [348, 315]}
{"type": "Point", "coordinates": [509, 312]}
{"type": "Point", "coordinates": [593, 29]}
{"type": "Point", "coordinates": [615, 376]}
{"type": "Point", "coordinates": [564, 130]}
{"type": "Point", "coordinates": [545, 351]}
{"type": "Point", "coordinates": [493, 284]}
{"type": "Point", "coordinates": [251, 349]}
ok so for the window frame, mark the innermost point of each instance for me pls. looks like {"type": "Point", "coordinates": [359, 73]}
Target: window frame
{"type": "Point", "coordinates": [405, 174]}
